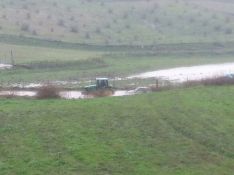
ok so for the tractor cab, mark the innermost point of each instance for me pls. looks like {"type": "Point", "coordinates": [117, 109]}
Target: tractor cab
{"type": "Point", "coordinates": [102, 83]}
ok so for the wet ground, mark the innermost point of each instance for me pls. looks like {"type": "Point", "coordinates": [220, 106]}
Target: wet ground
{"type": "Point", "coordinates": [63, 94]}
{"type": "Point", "coordinates": [5, 66]}
{"type": "Point", "coordinates": [182, 74]}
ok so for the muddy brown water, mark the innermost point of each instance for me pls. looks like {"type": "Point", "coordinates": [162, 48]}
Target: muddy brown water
{"type": "Point", "coordinates": [63, 94]}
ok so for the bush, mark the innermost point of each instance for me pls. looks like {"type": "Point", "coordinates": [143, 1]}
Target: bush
{"type": "Point", "coordinates": [228, 31]}
{"type": "Point", "coordinates": [217, 28]}
{"type": "Point", "coordinates": [4, 16]}
{"type": "Point", "coordinates": [34, 32]}
{"type": "Point", "coordinates": [48, 92]}
{"type": "Point", "coordinates": [28, 16]}
{"type": "Point", "coordinates": [61, 23]}
{"type": "Point", "coordinates": [74, 29]}
{"type": "Point", "coordinates": [25, 27]}
{"type": "Point", "coordinates": [87, 36]}
{"type": "Point", "coordinates": [98, 30]}
{"type": "Point", "coordinates": [72, 18]}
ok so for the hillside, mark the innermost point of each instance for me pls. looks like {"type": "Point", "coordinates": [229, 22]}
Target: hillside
{"type": "Point", "coordinates": [117, 22]}
{"type": "Point", "coordinates": [188, 131]}
{"type": "Point", "coordinates": [81, 39]}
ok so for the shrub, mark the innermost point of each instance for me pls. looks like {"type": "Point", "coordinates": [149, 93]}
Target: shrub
{"type": "Point", "coordinates": [48, 92]}
{"type": "Point", "coordinates": [72, 18]}
{"type": "Point", "coordinates": [191, 20]}
{"type": "Point", "coordinates": [87, 36]}
{"type": "Point", "coordinates": [74, 29]}
{"type": "Point", "coordinates": [127, 26]}
{"type": "Point", "coordinates": [40, 23]}
{"type": "Point", "coordinates": [37, 11]}
{"type": "Point", "coordinates": [25, 7]}
{"type": "Point", "coordinates": [98, 30]}
{"type": "Point", "coordinates": [110, 11]}
{"type": "Point", "coordinates": [34, 32]}
{"type": "Point", "coordinates": [228, 31]}
{"type": "Point", "coordinates": [55, 4]}
{"type": "Point", "coordinates": [61, 22]}
{"type": "Point", "coordinates": [25, 27]}
{"type": "Point", "coordinates": [108, 26]}
{"type": "Point", "coordinates": [125, 16]}
{"type": "Point", "coordinates": [217, 28]}
{"type": "Point", "coordinates": [28, 16]}
{"type": "Point", "coordinates": [205, 23]}
{"type": "Point", "coordinates": [227, 20]}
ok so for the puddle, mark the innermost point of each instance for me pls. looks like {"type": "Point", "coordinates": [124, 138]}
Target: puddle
{"type": "Point", "coordinates": [38, 85]}
{"type": "Point", "coordinates": [5, 66]}
{"type": "Point", "coordinates": [63, 94]}
{"type": "Point", "coordinates": [121, 93]}
{"type": "Point", "coordinates": [26, 86]}
{"type": "Point", "coordinates": [72, 95]}
{"type": "Point", "coordinates": [18, 93]}
{"type": "Point", "coordinates": [182, 74]}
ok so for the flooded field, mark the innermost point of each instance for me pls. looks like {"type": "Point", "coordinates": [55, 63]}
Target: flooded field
{"type": "Point", "coordinates": [182, 74]}
{"type": "Point", "coordinates": [63, 94]}
{"type": "Point", "coordinates": [178, 75]}
{"type": "Point", "coordinates": [5, 66]}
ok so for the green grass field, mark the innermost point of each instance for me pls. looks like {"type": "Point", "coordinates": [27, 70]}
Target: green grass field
{"type": "Point", "coordinates": [54, 61]}
{"type": "Point", "coordinates": [114, 65]}
{"type": "Point", "coordinates": [183, 132]}
{"type": "Point", "coordinates": [176, 132]}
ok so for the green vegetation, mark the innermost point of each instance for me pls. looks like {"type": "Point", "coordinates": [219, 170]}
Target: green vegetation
{"type": "Point", "coordinates": [116, 65]}
{"type": "Point", "coordinates": [119, 22]}
{"type": "Point", "coordinates": [79, 39]}
{"type": "Point", "coordinates": [187, 131]}
{"type": "Point", "coordinates": [181, 132]}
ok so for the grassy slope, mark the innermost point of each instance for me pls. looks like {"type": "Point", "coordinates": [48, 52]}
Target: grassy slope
{"type": "Point", "coordinates": [119, 22]}
{"type": "Point", "coordinates": [176, 132]}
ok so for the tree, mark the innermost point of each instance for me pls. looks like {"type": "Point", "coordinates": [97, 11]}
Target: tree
{"type": "Point", "coordinates": [228, 31]}
{"type": "Point", "coordinates": [61, 23]}
{"type": "Point", "coordinates": [25, 27]}
{"type": "Point", "coordinates": [87, 35]}
{"type": "Point", "coordinates": [74, 29]}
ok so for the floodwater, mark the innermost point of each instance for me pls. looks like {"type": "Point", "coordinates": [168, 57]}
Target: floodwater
{"type": "Point", "coordinates": [63, 94]}
{"type": "Point", "coordinates": [121, 93]}
{"type": "Point", "coordinates": [5, 66]}
{"type": "Point", "coordinates": [38, 85]}
{"type": "Point", "coordinates": [18, 93]}
{"type": "Point", "coordinates": [182, 74]}
{"type": "Point", "coordinates": [72, 95]}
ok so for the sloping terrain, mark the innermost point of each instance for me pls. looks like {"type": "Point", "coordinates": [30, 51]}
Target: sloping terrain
{"type": "Point", "coordinates": [188, 131]}
{"type": "Point", "coordinates": [82, 39]}
{"type": "Point", "coordinates": [117, 22]}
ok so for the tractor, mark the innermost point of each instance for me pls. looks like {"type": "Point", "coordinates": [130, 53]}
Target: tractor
{"type": "Point", "coordinates": [101, 88]}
